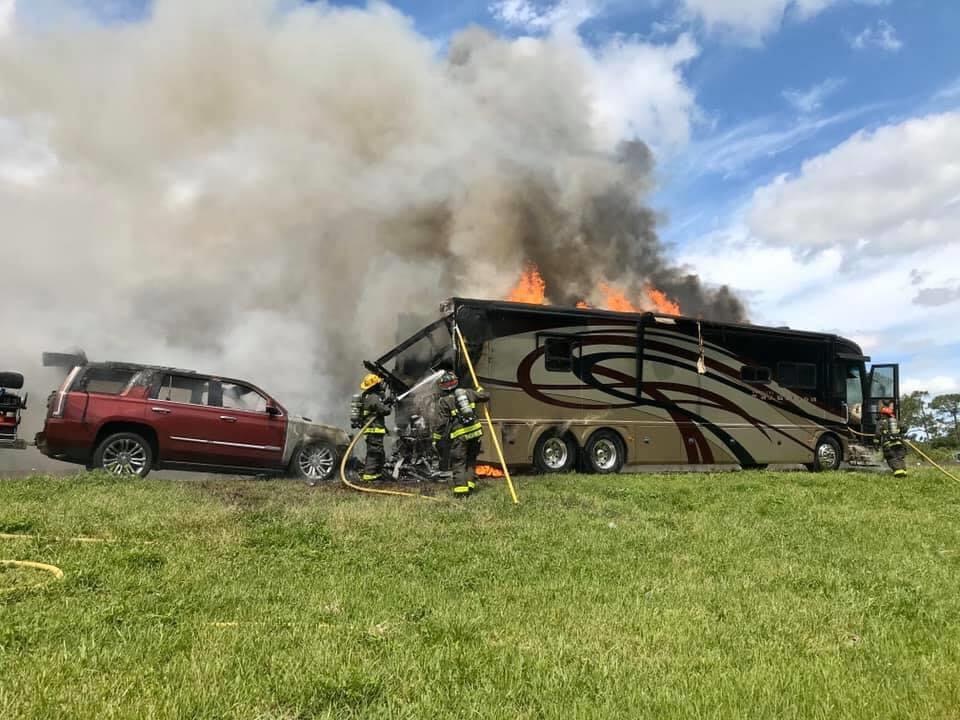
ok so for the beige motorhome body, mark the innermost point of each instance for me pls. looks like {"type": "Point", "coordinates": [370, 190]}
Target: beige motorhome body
{"type": "Point", "coordinates": [597, 389]}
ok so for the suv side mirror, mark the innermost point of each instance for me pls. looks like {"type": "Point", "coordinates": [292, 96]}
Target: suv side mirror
{"type": "Point", "coordinates": [273, 410]}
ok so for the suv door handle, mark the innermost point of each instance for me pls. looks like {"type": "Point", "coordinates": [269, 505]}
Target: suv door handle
{"type": "Point", "coordinates": [227, 418]}
{"type": "Point", "coordinates": [160, 410]}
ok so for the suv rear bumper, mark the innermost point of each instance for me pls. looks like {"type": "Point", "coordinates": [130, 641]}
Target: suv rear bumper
{"type": "Point", "coordinates": [58, 452]}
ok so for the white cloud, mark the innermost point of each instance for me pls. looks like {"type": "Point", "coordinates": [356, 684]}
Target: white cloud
{"type": "Point", "coordinates": [811, 100]}
{"type": "Point", "coordinates": [949, 91]}
{"type": "Point", "coordinates": [734, 150]}
{"type": "Point", "coordinates": [564, 15]}
{"type": "Point", "coordinates": [936, 385]}
{"type": "Point", "coordinates": [751, 20]}
{"type": "Point", "coordinates": [8, 11]}
{"type": "Point", "coordinates": [637, 88]}
{"type": "Point", "coordinates": [864, 242]}
{"type": "Point", "coordinates": [639, 91]}
{"type": "Point", "coordinates": [882, 35]}
{"type": "Point", "coordinates": [891, 191]}
{"type": "Point", "coordinates": [871, 304]}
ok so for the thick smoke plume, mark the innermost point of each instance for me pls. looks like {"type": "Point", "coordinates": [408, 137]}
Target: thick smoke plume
{"type": "Point", "coordinates": [244, 191]}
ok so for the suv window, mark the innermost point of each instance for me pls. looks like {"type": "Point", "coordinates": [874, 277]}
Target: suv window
{"type": "Point", "coordinates": [107, 380]}
{"type": "Point", "coordinates": [183, 389]}
{"type": "Point", "coordinates": [241, 397]}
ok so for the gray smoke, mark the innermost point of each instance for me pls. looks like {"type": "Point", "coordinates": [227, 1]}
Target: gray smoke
{"type": "Point", "coordinates": [238, 190]}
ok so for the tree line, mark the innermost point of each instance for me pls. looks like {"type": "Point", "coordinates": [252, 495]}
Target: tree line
{"type": "Point", "coordinates": [936, 419]}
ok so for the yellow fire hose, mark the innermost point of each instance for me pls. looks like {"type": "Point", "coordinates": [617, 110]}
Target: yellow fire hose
{"type": "Point", "coordinates": [486, 413]}
{"type": "Point", "coordinates": [52, 569]}
{"type": "Point", "coordinates": [917, 450]}
{"type": "Point", "coordinates": [371, 490]}
{"type": "Point", "coordinates": [18, 536]}
{"type": "Point", "coordinates": [922, 454]}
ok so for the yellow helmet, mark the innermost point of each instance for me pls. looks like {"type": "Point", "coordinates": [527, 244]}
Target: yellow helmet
{"type": "Point", "coordinates": [370, 381]}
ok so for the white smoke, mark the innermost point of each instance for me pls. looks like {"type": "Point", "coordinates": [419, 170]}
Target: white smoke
{"type": "Point", "coordinates": [243, 191]}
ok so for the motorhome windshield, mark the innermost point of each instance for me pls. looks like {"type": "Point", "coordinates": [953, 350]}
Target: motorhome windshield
{"type": "Point", "coordinates": [426, 350]}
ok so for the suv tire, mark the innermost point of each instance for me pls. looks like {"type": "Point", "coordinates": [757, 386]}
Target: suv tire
{"type": "Point", "coordinates": [315, 461]}
{"type": "Point", "coordinates": [124, 454]}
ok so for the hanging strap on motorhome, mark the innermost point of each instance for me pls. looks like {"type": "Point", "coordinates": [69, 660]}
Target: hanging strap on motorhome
{"type": "Point", "coordinates": [701, 361]}
{"type": "Point", "coordinates": [486, 413]}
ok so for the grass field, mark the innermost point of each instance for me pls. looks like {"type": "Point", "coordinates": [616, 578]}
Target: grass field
{"type": "Point", "coordinates": [729, 595]}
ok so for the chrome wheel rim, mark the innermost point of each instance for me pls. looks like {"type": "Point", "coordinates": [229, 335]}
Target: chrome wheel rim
{"type": "Point", "coordinates": [316, 462]}
{"type": "Point", "coordinates": [125, 457]}
{"type": "Point", "coordinates": [605, 454]}
{"type": "Point", "coordinates": [827, 455]}
{"type": "Point", "coordinates": [555, 453]}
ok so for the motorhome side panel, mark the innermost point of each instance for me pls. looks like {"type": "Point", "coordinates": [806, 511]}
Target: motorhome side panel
{"type": "Point", "coordinates": [578, 374]}
{"type": "Point", "coordinates": [763, 396]}
{"type": "Point", "coordinates": [744, 414]}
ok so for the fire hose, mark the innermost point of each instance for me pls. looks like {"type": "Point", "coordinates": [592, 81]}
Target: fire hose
{"type": "Point", "coordinates": [52, 569]}
{"type": "Point", "coordinates": [486, 413]}
{"type": "Point", "coordinates": [917, 450]}
{"type": "Point", "coordinates": [371, 490]}
{"type": "Point", "coordinates": [353, 443]}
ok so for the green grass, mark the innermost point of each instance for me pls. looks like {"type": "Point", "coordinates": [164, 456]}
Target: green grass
{"type": "Point", "coordinates": [774, 595]}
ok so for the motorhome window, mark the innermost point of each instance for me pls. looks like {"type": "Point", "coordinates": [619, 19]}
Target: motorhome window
{"type": "Point", "coordinates": [882, 383]}
{"type": "Point", "coordinates": [802, 376]}
{"type": "Point", "coordinates": [184, 389]}
{"type": "Point", "coordinates": [755, 374]}
{"type": "Point", "coordinates": [558, 354]}
{"type": "Point", "coordinates": [107, 380]}
{"type": "Point", "coordinates": [853, 382]}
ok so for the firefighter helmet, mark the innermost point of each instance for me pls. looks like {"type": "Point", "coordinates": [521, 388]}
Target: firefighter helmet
{"type": "Point", "coordinates": [887, 410]}
{"type": "Point", "coordinates": [448, 381]}
{"type": "Point", "coordinates": [370, 381]}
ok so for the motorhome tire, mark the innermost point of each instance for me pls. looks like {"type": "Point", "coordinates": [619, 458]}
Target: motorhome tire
{"type": "Point", "coordinates": [11, 380]}
{"type": "Point", "coordinates": [315, 462]}
{"type": "Point", "coordinates": [827, 455]}
{"type": "Point", "coordinates": [126, 454]}
{"type": "Point", "coordinates": [555, 452]}
{"type": "Point", "coordinates": [604, 453]}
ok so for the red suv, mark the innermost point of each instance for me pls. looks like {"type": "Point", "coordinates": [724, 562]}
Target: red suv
{"type": "Point", "coordinates": [129, 419]}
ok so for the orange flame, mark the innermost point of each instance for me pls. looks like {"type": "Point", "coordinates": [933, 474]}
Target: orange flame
{"type": "Point", "coordinates": [488, 471]}
{"type": "Point", "coordinates": [615, 299]}
{"type": "Point", "coordinates": [661, 302]}
{"type": "Point", "coordinates": [530, 289]}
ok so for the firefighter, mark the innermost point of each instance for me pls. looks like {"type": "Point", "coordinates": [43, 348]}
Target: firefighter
{"type": "Point", "coordinates": [456, 408]}
{"type": "Point", "coordinates": [891, 441]}
{"type": "Point", "coordinates": [374, 404]}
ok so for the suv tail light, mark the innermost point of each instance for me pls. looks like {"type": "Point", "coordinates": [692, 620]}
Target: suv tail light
{"type": "Point", "coordinates": [59, 399]}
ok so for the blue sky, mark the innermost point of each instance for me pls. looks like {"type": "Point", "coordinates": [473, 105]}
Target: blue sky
{"type": "Point", "coordinates": [808, 150]}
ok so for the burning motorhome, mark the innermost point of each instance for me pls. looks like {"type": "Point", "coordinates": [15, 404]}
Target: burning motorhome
{"type": "Point", "coordinates": [595, 389]}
